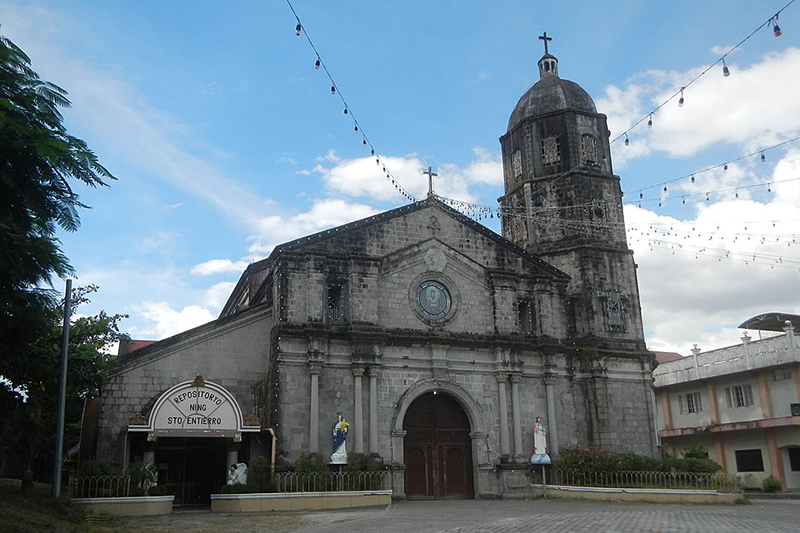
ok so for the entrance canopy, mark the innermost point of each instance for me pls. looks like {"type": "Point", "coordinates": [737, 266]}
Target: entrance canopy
{"type": "Point", "coordinates": [196, 409]}
{"type": "Point", "coordinates": [771, 322]}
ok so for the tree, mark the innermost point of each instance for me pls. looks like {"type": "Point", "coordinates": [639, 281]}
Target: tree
{"type": "Point", "coordinates": [38, 160]}
{"type": "Point", "coordinates": [30, 416]}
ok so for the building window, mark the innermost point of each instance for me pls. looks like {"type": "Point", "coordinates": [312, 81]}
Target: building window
{"type": "Point", "coordinates": [589, 149]}
{"type": "Point", "coordinates": [781, 374]}
{"type": "Point", "coordinates": [690, 403]}
{"type": "Point", "coordinates": [794, 459]}
{"type": "Point", "coordinates": [749, 461]}
{"type": "Point", "coordinates": [525, 317]}
{"type": "Point", "coordinates": [739, 396]}
{"type": "Point", "coordinates": [335, 303]}
{"type": "Point", "coordinates": [551, 152]}
{"type": "Point", "coordinates": [516, 163]}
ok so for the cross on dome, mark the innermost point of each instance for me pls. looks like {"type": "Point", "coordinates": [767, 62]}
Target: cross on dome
{"type": "Point", "coordinates": [545, 38]}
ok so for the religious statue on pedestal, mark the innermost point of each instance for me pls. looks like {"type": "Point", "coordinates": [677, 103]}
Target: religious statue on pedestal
{"type": "Point", "coordinates": [539, 443]}
{"type": "Point", "coordinates": [339, 455]}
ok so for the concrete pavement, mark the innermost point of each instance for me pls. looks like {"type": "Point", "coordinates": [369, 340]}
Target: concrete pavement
{"type": "Point", "coordinates": [485, 516]}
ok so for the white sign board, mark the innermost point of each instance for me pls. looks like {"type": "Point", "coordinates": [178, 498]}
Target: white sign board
{"type": "Point", "coordinates": [192, 409]}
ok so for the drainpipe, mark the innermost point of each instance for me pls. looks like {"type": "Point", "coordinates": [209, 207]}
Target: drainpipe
{"type": "Point", "coordinates": [695, 353]}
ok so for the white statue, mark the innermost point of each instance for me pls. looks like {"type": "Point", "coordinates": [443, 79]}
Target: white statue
{"type": "Point", "coordinates": [340, 430]}
{"type": "Point", "coordinates": [539, 443]}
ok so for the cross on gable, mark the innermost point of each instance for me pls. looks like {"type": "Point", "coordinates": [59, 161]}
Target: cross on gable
{"type": "Point", "coordinates": [545, 38]}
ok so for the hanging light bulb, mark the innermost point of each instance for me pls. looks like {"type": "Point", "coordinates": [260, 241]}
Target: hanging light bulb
{"type": "Point", "coordinates": [665, 188]}
{"type": "Point", "coordinates": [345, 110]}
{"type": "Point", "coordinates": [692, 180]}
{"type": "Point", "coordinates": [333, 89]}
{"type": "Point", "coordinates": [355, 128]}
{"type": "Point", "coordinates": [317, 63]}
{"type": "Point", "coordinates": [627, 141]}
{"type": "Point", "coordinates": [680, 100]}
{"type": "Point", "coordinates": [650, 121]}
{"type": "Point", "coordinates": [640, 195]}
{"type": "Point", "coordinates": [364, 142]}
{"type": "Point", "coordinates": [298, 29]}
{"type": "Point", "coordinates": [776, 30]}
{"type": "Point", "coordinates": [725, 70]}
{"type": "Point", "coordinates": [372, 152]}
{"type": "Point", "coordinates": [763, 158]}
{"type": "Point", "coordinates": [725, 166]}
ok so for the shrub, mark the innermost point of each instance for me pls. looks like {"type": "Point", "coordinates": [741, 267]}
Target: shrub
{"type": "Point", "coordinates": [590, 461]}
{"type": "Point", "coordinates": [771, 485]}
{"type": "Point", "coordinates": [259, 474]}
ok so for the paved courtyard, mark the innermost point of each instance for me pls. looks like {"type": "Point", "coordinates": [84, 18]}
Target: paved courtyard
{"type": "Point", "coordinates": [562, 517]}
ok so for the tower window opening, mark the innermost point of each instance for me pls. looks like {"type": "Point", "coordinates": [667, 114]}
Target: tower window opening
{"type": "Point", "coordinates": [589, 150]}
{"type": "Point", "coordinates": [551, 151]}
{"type": "Point", "coordinates": [516, 163]}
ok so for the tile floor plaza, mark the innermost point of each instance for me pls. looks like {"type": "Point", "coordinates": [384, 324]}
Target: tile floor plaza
{"type": "Point", "coordinates": [762, 516]}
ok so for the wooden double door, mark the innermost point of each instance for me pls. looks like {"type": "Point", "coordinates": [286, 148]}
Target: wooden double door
{"type": "Point", "coordinates": [437, 449]}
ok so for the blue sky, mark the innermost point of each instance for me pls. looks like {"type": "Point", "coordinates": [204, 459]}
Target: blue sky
{"type": "Point", "coordinates": [226, 141]}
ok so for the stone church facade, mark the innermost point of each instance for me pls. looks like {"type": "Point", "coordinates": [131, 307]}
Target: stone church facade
{"type": "Point", "coordinates": [438, 340]}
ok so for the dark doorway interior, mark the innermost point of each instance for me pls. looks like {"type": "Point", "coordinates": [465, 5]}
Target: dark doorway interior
{"type": "Point", "coordinates": [438, 449]}
{"type": "Point", "coordinates": [192, 468]}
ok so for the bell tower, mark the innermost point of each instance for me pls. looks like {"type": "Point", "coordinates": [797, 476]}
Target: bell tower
{"type": "Point", "coordinates": [563, 203]}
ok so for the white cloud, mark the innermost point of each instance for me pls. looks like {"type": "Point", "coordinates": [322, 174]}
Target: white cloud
{"type": "Point", "coordinates": [158, 241]}
{"type": "Point", "coordinates": [275, 229]}
{"type": "Point", "coordinates": [365, 177]}
{"type": "Point", "coordinates": [734, 258]}
{"type": "Point", "coordinates": [218, 294]}
{"type": "Point", "coordinates": [219, 266]}
{"type": "Point", "coordinates": [748, 109]}
{"type": "Point", "coordinates": [166, 321]}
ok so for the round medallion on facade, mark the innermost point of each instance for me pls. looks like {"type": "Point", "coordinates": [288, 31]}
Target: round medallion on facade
{"type": "Point", "coordinates": [434, 300]}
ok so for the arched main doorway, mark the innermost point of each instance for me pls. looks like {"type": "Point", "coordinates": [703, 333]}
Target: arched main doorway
{"type": "Point", "coordinates": [437, 449]}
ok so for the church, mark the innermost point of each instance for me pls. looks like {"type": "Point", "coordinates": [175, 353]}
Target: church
{"type": "Point", "coordinates": [439, 341]}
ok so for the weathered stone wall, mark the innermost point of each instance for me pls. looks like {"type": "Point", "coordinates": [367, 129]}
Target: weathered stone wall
{"type": "Point", "coordinates": [233, 354]}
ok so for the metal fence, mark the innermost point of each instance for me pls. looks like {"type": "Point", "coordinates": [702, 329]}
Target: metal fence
{"type": "Point", "coordinates": [642, 480]}
{"type": "Point", "coordinates": [332, 481]}
{"type": "Point", "coordinates": [99, 486]}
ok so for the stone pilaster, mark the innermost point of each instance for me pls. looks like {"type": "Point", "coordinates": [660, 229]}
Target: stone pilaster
{"type": "Point", "coordinates": [552, 425]}
{"type": "Point", "coordinates": [516, 418]}
{"type": "Point", "coordinates": [358, 420]}
{"type": "Point", "coordinates": [502, 379]}
{"type": "Point", "coordinates": [313, 434]}
{"type": "Point", "coordinates": [374, 372]}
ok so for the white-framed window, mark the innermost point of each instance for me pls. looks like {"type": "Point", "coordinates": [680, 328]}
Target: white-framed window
{"type": "Point", "coordinates": [739, 395]}
{"type": "Point", "coordinates": [690, 403]}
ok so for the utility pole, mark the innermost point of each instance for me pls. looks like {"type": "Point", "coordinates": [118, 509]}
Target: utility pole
{"type": "Point", "coordinates": [62, 394]}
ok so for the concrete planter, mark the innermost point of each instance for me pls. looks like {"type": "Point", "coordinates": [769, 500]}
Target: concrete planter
{"type": "Point", "coordinates": [298, 501]}
{"type": "Point", "coordinates": [635, 495]}
{"type": "Point", "coordinates": [128, 506]}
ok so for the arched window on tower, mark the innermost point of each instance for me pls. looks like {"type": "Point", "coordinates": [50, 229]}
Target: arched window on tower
{"type": "Point", "coordinates": [589, 150]}
{"type": "Point", "coordinates": [551, 152]}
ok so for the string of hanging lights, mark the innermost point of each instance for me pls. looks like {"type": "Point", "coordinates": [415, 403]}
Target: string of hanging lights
{"type": "Point", "coordinates": [348, 111]}
{"type": "Point", "coordinates": [692, 175]}
{"type": "Point", "coordinates": [709, 193]}
{"type": "Point", "coordinates": [776, 31]}
{"type": "Point", "coordinates": [721, 254]}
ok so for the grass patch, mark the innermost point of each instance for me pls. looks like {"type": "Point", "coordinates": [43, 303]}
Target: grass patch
{"type": "Point", "coordinates": [40, 514]}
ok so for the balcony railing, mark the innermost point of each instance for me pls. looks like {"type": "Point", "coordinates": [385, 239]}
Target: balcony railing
{"type": "Point", "coordinates": [332, 481]}
{"type": "Point", "coordinates": [642, 480]}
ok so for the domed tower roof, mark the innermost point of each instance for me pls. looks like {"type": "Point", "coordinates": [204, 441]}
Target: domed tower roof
{"type": "Point", "coordinates": [549, 94]}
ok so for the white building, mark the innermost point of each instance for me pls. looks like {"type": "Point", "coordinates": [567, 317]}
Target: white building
{"type": "Point", "coordinates": [741, 403]}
